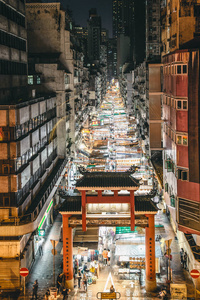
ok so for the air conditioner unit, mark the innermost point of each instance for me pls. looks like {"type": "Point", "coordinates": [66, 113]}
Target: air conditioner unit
{"type": "Point", "coordinates": [33, 93]}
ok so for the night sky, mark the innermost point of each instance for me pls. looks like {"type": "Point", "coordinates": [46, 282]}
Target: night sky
{"type": "Point", "coordinates": [80, 9]}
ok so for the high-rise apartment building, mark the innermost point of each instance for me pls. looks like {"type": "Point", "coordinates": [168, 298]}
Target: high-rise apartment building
{"type": "Point", "coordinates": [153, 32]}
{"type": "Point", "coordinates": [13, 56]}
{"type": "Point", "coordinates": [30, 167]}
{"type": "Point", "coordinates": [180, 30]}
{"type": "Point", "coordinates": [94, 35]}
{"type": "Point", "coordinates": [179, 23]}
{"type": "Point", "coordinates": [129, 21]}
{"type": "Point", "coordinates": [181, 139]}
{"type": "Point", "coordinates": [117, 17]}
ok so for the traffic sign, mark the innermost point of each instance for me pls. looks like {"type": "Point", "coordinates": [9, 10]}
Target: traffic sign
{"type": "Point", "coordinates": [54, 243]}
{"type": "Point", "coordinates": [24, 272]}
{"type": "Point", "coordinates": [54, 251]}
{"type": "Point", "coordinates": [194, 273]}
{"type": "Point", "coordinates": [168, 242]}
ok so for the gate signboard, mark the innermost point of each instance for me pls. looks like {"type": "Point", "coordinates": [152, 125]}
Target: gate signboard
{"type": "Point", "coordinates": [107, 295]}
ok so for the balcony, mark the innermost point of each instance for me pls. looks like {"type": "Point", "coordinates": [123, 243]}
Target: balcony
{"type": "Point", "coordinates": [29, 222]}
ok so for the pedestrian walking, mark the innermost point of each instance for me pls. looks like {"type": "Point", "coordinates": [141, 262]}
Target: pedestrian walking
{"type": "Point", "coordinates": [65, 293]}
{"type": "Point", "coordinates": [35, 289]}
{"type": "Point", "coordinates": [181, 255]}
{"type": "Point", "coordinates": [79, 279]}
{"type": "Point", "coordinates": [59, 282]}
{"type": "Point", "coordinates": [85, 282]}
{"type": "Point", "coordinates": [40, 250]}
{"type": "Point", "coordinates": [76, 266]}
{"type": "Point", "coordinates": [109, 255]}
{"type": "Point", "coordinates": [105, 256]}
{"type": "Point", "coordinates": [185, 260]}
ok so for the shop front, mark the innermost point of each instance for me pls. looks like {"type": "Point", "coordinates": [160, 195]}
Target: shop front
{"type": "Point", "coordinates": [130, 256]}
{"type": "Point", "coordinates": [47, 219]}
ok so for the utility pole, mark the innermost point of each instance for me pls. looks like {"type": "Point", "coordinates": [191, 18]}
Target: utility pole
{"type": "Point", "coordinates": [54, 252]}
{"type": "Point", "coordinates": [168, 253]}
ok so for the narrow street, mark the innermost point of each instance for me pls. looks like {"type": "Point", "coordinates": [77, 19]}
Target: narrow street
{"type": "Point", "coordinates": [111, 143]}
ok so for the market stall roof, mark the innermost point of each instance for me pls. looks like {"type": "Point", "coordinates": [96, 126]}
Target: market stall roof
{"type": "Point", "coordinates": [142, 204]}
{"type": "Point", "coordinates": [107, 180]}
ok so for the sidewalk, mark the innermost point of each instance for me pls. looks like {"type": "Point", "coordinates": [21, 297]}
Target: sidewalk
{"type": "Point", "coordinates": [42, 269]}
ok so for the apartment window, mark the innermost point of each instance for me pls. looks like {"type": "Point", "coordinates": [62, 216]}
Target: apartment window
{"type": "Point", "coordinates": [67, 79]}
{"type": "Point", "coordinates": [182, 140]}
{"type": "Point", "coordinates": [182, 174]}
{"type": "Point", "coordinates": [184, 69]}
{"type": "Point", "coordinates": [18, 163]}
{"type": "Point", "coordinates": [5, 169]}
{"type": "Point", "coordinates": [166, 187]}
{"type": "Point", "coordinates": [184, 105]}
{"type": "Point", "coordinates": [30, 124]}
{"type": "Point", "coordinates": [172, 200]}
{"type": "Point", "coordinates": [38, 79]}
{"type": "Point", "coordinates": [6, 201]}
{"type": "Point", "coordinates": [181, 104]}
{"type": "Point", "coordinates": [169, 165]}
{"type": "Point", "coordinates": [181, 69]}
{"type": "Point", "coordinates": [178, 69]}
{"type": "Point", "coordinates": [30, 79]}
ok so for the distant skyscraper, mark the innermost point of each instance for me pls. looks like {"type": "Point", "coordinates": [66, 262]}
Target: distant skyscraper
{"type": "Point", "coordinates": [129, 20]}
{"type": "Point", "coordinates": [13, 61]}
{"type": "Point", "coordinates": [117, 18]}
{"type": "Point", "coordinates": [153, 37]}
{"type": "Point", "coordinates": [94, 35]}
{"type": "Point", "coordinates": [112, 58]}
{"type": "Point", "coordinates": [104, 35]}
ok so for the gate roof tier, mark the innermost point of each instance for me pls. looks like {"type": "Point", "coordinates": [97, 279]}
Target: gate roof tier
{"type": "Point", "coordinates": [143, 204]}
{"type": "Point", "coordinates": [107, 181]}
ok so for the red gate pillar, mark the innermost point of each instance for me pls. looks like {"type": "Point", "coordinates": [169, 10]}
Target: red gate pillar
{"type": "Point", "coordinates": [67, 253]}
{"type": "Point", "coordinates": [83, 200]}
{"type": "Point", "coordinates": [132, 208]}
{"type": "Point", "coordinates": [150, 254]}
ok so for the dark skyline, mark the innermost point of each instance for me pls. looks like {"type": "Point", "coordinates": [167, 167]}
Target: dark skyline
{"type": "Point", "coordinates": [80, 9]}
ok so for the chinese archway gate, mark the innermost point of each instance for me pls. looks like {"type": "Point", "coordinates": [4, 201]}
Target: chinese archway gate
{"type": "Point", "coordinates": [85, 210]}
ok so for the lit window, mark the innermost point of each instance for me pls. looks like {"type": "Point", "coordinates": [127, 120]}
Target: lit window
{"type": "Point", "coordinates": [172, 200]}
{"type": "Point", "coordinates": [185, 140]}
{"type": "Point", "coordinates": [182, 140]}
{"type": "Point", "coordinates": [30, 79]}
{"type": "Point", "coordinates": [38, 79]}
{"type": "Point", "coordinates": [179, 140]}
{"type": "Point", "coordinates": [184, 104]}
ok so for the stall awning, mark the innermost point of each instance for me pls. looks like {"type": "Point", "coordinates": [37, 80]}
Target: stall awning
{"type": "Point", "coordinates": [89, 236]}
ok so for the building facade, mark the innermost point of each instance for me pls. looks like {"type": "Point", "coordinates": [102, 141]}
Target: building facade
{"type": "Point", "coordinates": [179, 23]}
{"type": "Point", "coordinates": [153, 32]}
{"type": "Point", "coordinates": [181, 138]}
{"type": "Point", "coordinates": [13, 54]}
{"type": "Point", "coordinates": [31, 163]}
